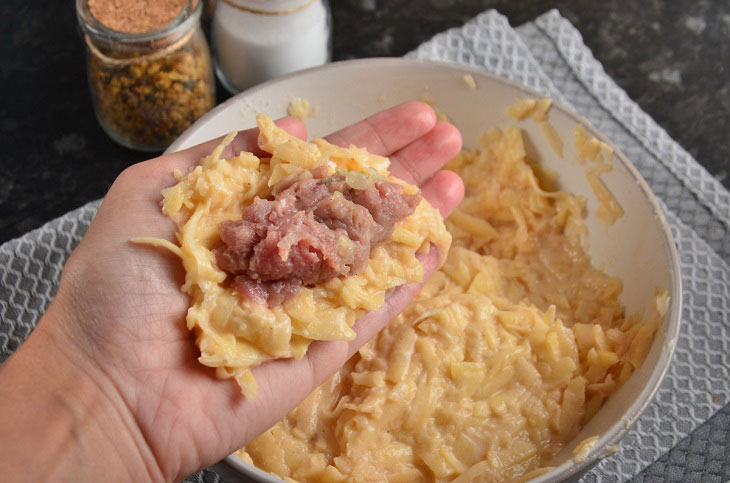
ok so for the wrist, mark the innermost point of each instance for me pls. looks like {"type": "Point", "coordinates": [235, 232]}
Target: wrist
{"type": "Point", "coordinates": [63, 420]}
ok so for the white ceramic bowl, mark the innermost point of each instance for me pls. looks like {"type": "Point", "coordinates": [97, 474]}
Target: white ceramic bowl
{"type": "Point", "coordinates": [638, 248]}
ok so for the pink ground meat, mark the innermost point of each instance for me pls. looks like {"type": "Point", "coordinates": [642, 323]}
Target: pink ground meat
{"type": "Point", "coordinates": [312, 231]}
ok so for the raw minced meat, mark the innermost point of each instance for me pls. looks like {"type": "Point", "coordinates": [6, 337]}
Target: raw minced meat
{"type": "Point", "coordinates": [312, 231]}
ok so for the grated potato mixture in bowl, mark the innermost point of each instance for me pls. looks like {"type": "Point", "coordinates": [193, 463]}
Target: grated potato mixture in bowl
{"type": "Point", "coordinates": [510, 348]}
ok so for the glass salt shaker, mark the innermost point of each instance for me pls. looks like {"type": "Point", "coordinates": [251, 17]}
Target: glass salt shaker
{"type": "Point", "coordinates": [148, 87]}
{"type": "Point", "coordinates": [257, 40]}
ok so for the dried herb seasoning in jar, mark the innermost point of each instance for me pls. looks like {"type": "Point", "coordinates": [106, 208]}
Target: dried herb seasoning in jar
{"type": "Point", "coordinates": [149, 68]}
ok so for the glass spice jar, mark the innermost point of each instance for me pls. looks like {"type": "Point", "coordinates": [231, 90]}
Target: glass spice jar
{"type": "Point", "coordinates": [148, 87]}
{"type": "Point", "coordinates": [257, 40]}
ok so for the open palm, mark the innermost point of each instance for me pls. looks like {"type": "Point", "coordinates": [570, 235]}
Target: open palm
{"type": "Point", "coordinates": [121, 314]}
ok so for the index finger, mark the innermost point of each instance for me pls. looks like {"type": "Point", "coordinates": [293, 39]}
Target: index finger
{"type": "Point", "coordinates": [418, 146]}
{"type": "Point", "coordinates": [387, 131]}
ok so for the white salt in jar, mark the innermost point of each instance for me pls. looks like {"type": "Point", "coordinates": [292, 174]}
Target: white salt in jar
{"type": "Point", "coordinates": [257, 40]}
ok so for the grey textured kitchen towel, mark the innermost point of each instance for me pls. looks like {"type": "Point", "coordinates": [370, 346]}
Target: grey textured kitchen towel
{"type": "Point", "coordinates": [549, 56]}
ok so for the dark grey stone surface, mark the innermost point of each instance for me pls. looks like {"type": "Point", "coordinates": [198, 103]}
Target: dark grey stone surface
{"type": "Point", "coordinates": [671, 56]}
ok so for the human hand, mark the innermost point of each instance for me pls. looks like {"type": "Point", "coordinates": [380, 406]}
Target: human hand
{"type": "Point", "coordinates": [118, 320]}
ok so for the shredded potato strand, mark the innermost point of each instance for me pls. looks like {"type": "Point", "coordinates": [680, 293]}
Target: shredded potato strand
{"type": "Point", "coordinates": [159, 242]}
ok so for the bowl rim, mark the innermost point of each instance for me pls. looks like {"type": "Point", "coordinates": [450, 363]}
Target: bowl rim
{"type": "Point", "coordinates": [671, 323]}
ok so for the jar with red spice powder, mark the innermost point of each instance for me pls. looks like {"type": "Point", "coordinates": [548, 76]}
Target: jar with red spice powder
{"type": "Point", "coordinates": [149, 68]}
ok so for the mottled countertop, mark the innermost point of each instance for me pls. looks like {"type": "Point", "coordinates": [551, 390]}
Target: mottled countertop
{"type": "Point", "coordinates": [672, 57]}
